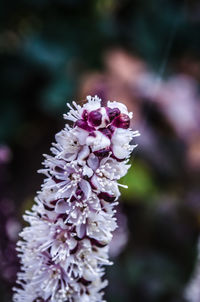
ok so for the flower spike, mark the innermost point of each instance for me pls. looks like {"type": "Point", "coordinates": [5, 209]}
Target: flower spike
{"type": "Point", "coordinates": [64, 249]}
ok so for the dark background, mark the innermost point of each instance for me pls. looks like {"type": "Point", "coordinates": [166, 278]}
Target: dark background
{"type": "Point", "coordinates": [145, 54]}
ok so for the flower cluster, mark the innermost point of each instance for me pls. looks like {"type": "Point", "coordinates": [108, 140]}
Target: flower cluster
{"type": "Point", "coordinates": [64, 249]}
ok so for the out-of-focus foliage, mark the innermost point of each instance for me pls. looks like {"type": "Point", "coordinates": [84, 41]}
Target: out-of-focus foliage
{"type": "Point", "coordinates": [145, 54]}
{"type": "Point", "coordinates": [140, 183]}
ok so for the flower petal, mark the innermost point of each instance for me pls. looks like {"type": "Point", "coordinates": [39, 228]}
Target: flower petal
{"type": "Point", "coordinates": [85, 187]}
{"type": "Point", "coordinates": [93, 162]}
{"type": "Point", "coordinates": [81, 230]}
{"type": "Point", "coordinates": [83, 154]}
{"type": "Point", "coordinates": [61, 206]}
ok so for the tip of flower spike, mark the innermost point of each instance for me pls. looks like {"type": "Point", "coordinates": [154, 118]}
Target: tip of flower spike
{"type": "Point", "coordinates": [93, 99]}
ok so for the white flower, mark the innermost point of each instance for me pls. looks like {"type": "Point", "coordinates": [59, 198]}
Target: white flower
{"type": "Point", "coordinates": [67, 145]}
{"type": "Point", "coordinates": [97, 141]}
{"type": "Point", "coordinates": [100, 227]}
{"type": "Point", "coordinates": [112, 169]}
{"type": "Point", "coordinates": [65, 246]}
{"type": "Point", "coordinates": [121, 142]}
{"type": "Point", "coordinates": [121, 107]}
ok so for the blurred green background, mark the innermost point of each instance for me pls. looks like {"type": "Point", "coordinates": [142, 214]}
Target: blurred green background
{"type": "Point", "coordinates": [145, 54]}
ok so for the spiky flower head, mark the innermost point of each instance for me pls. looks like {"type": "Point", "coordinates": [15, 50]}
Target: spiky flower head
{"type": "Point", "coordinates": [64, 249]}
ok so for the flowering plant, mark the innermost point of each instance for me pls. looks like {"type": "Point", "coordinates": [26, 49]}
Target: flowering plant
{"type": "Point", "coordinates": [64, 249]}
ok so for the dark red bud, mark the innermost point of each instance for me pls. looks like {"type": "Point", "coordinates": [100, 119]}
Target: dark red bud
{"type": "Point", "coordinates": [95, 118]}
{"type": "Point", "coordinates": [84, 125]}
{"type": "Point", "coordinates": [112, 112]}
{"type": "Point", "coordinates": [122, 121]}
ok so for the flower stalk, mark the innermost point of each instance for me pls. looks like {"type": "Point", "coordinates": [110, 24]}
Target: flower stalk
{"type": "Point", "coordinates": [64, 249]}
